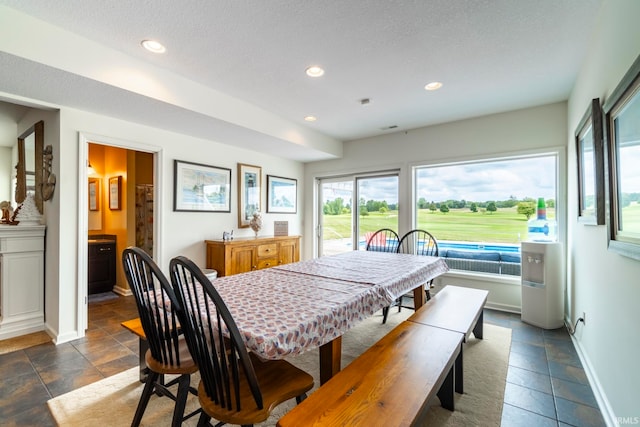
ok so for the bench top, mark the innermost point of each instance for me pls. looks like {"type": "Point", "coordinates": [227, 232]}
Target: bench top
{"type": "Point", "coordinates": [135, 326]}
{"type": "Point", "coordinates": [389, 384]}
{"type": "Point", "coordinates": [454, 308]}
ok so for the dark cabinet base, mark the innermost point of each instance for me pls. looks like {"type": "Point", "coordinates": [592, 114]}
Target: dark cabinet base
{"type": "Point", "coordinates": [101, 266]}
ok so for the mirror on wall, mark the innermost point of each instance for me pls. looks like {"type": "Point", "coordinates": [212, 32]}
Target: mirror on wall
{"type": "Point", "coordinates": [29, 170]}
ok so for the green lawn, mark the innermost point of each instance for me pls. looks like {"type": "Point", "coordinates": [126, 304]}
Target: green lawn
{"type": "Point", "coordinates": [503, 226]}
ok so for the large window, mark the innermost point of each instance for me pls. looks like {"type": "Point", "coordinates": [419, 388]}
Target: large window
{"type": "Point", "coordinates": [488, 206]}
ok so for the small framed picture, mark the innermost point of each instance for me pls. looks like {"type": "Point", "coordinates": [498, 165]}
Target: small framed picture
{"type": "Point", "coordinates": [249, 193]}
{"type": "Point", "coordinates": [590, 152]}
{"type": "Point", "coordinates": [201, 188]}
{"type": "Point", "coordinates": [115, 193]}
{"type": "Point", "coordinates": [94, 194]}
{"type": "Point", "coordinates": [281, 194]}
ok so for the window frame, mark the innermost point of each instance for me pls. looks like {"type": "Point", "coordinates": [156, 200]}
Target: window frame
{"type": "Point", "coordinates": [559, 152]}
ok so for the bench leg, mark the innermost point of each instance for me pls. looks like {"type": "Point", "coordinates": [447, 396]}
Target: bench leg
{"type": "Point", "coordinates": [477, 330]}
{"type": "Point", "coordinates": [459, 375]}
{"type": "Point", "coordinates": [143, 346]}
{"type": "Point", "coordinates": [445, 394]}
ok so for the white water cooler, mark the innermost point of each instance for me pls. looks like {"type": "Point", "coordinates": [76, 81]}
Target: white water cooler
{"type": "Point", "coordinates": [542, 284]}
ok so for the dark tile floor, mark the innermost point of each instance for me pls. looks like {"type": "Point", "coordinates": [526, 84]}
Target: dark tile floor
{"type": "Point", "coordinates": [546, 385]}
{"type": "Point", "coordinates": [32, 376]}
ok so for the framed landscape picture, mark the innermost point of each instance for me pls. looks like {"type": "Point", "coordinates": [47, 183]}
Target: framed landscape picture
{"type": "Point", "coordinates": [281, 194]}
{"type": "Point", "coordinates": [201, 188]}
{"type": "Point", "coordinates": [622, 118]}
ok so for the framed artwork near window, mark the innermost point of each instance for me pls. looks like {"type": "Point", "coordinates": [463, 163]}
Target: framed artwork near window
{"type": "Point", "coordinates": [281, 194]}
{"type": "Point", "coordinates": [622, 118]}
{"type": "Point", "coordinates": [115, 193]}
{"type": "Point", "coordinates": [249, 193]}
{"type": "Point", "coordinates": [94, 194]}
{"type": "Point", "coordinates": [590, 153]}
{"type": "Point", "coordinates": [201, 188]}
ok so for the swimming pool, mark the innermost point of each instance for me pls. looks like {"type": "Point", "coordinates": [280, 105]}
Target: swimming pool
{"type": "Point", "coordinates": [469, 246]}
{"type": "Point", "coordinates": [442, 244]}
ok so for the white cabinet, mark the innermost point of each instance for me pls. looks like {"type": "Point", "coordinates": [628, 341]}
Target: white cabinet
{"type": "Point", "coordinates": [21, 280]}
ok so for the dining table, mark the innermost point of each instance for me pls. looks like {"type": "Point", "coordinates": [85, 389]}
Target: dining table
{"type": "Point", "coordinates": [293, 308]}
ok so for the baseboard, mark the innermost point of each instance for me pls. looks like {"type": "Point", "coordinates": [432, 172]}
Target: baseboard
{"type": "Point", "coordinates": [125, 292]}
{"type": "Point", "coordinates": [605, 408]}
{"type": "Point", "coordinates": [503, 307]}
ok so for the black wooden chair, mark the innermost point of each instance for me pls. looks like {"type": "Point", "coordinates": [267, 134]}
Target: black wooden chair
{"type": "Point", "coordinates": [168, 352]}
{"type": "Point", "coordinates": [418, 242]}
{"type": "Point", "coordinates": [236, 386]}
{"type": "Point", "coordinates": [383, 240]}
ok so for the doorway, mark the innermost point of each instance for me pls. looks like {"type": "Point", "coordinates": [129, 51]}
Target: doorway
{"type": "Point", "coordinates": [118, 202]}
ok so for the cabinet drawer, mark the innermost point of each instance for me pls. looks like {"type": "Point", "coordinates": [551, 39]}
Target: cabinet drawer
{"type": "Point", "coordinates": [267, 263]}
{"type": "Point", "coordinates": [269, 250]}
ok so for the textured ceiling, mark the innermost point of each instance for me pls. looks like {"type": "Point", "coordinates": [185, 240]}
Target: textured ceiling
{"type": "Point", "coordinates": [491, 55]}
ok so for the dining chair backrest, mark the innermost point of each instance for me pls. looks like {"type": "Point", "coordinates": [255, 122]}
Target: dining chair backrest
{"type": "Point", "coordinates": [213, 337]}
{"type": "Point", "coordinates": [418, 242]}
{"type": "Point", "coordinates": [149, 287]}
{"type": "Point", "coordinates": [383, 240]}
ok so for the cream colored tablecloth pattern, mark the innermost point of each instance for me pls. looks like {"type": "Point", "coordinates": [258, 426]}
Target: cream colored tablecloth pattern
{"type": "Point", "coordinates": [293, 308]}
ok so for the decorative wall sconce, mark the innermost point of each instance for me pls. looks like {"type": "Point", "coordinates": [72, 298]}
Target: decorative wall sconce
{"type": "Point", "coordinates": [48, 178]}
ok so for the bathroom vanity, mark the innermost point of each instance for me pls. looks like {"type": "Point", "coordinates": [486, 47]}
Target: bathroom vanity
{"type": "Point", "coordinates": [101, 263]}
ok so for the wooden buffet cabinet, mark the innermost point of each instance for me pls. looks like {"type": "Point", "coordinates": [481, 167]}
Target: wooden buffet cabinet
{"type": "Point", "coordinates": [241, 255]}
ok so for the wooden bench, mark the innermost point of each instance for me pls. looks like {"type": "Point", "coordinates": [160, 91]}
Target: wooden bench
{"type": "Point", "coordinates": [456, 309]}
{"type": "Point", "coordinates": [135, 326]}
{"type": "Point", "coordinates": [389, 384]}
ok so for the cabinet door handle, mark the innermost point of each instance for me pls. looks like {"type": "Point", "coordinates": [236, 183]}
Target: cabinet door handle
{"type": "Point", "coordinates": [104, 249]}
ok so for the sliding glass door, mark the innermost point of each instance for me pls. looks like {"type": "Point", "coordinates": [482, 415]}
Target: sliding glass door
{"type": "Point", "coordinates": [336, 227]}
{"type": "Point", "coordinates": [345, 224]}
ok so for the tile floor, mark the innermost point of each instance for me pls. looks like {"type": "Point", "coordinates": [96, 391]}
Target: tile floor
{"type": "Point", "coordinates": [546, 385]}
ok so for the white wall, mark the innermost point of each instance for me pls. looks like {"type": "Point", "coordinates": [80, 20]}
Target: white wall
{"type": "Point", "coordinates": [180, 233]}
{"type": "Point", "coordinates": [528, 130]}
{"type": "Point", "coordinates": [601, 283]}
{"type": "Point", "coordinates": [6, 172]}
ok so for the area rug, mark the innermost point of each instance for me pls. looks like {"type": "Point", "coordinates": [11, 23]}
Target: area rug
{"type": "Point", "coordinates": [24, 341]}
{"type": "Point", "coordinates": [113, 401]}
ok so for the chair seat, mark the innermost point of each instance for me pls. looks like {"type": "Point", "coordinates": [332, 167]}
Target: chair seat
{"type": "Point", "coordinates": [279, 381]}
{"type": "Point", "coordinates": [187, 364]}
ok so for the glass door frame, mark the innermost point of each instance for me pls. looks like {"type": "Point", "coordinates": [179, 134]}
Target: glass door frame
{"type": "Point", "coordinates": [355, 209]}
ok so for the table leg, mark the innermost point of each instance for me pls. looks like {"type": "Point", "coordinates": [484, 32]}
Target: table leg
{"type": "Point", "coordinates": [459, 374]}
{"type": "Point", "coordinates": [330, 354]}
{"type": "Point", "coordinates": [478, 329]}
{"type": "Point", "coordinates": [418, 297]}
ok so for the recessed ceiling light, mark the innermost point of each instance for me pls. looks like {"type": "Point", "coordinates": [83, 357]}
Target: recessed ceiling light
{"type": "Point", "coordinates": [153, 46]}
{"type": "Point", "coordinates": [311, 118]}
{"type": "Point", "coordinates": [433, 86]}
{"type": "Point", "coordinates": [314, 71]}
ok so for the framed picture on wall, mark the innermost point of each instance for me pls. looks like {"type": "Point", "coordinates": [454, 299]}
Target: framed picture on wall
{"type": "Point", "coordinates": [115, 193]}
{"type": "Point", "coordinates": [249, 192]}
{"type": "Point", "coordinates": [590, 152]}
{"type": "Point", "coordinates": [94, 194]}
{"type": "Point", "coordinates": [281, 194]}
{"type": "Point", "coordinates": [201, 188]}
{"type": "Point", "coordinates": [622, 117]}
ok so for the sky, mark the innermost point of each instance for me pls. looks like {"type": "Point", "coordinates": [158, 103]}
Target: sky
{"type": "Point", "coordinates": [480, 182]}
